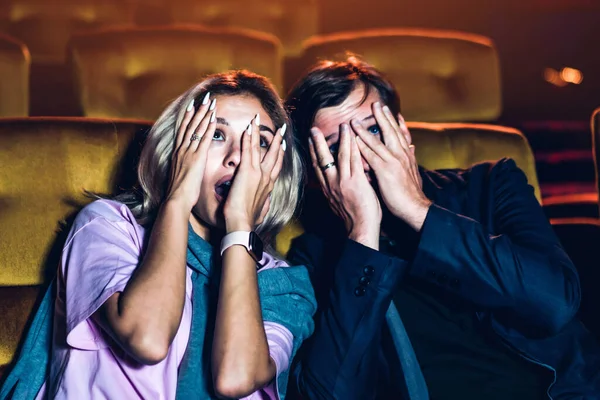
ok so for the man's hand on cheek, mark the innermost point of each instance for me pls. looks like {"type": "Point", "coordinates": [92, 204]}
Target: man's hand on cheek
{"type": "Point", "coordinates": [395, 167]}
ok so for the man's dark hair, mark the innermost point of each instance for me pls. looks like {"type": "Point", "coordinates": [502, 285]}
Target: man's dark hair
{"type": "Point", "coordinates": [328, 84]}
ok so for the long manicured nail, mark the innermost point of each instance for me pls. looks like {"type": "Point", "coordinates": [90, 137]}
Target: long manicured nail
{"type": "Point", "coordinates": [257, 120]}
{"type": "Point", "coordinates": [377, 104]}
{"type": "Point", "coordinates": [283, 145]}
{"type": "Point", "coordinates": [283, 129]}
{"type": "Point", "coordinates": [213, 104]}
{"type": "Point", "coordinates": [314, 131]}
{"type": "Point", "coordinates": [213, 117]}
{"type": "Point", "coordinates": [205, 100]}
{"type": "Point", "coordinates": [249, 129]}
{"type": "Point", "coordinates": [386, 110]}
{"type": "Point", "coordinates": [190, 106]}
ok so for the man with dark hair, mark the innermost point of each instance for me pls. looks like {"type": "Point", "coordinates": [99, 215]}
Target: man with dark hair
{"type": "Point", "coordinates": [444, 284]}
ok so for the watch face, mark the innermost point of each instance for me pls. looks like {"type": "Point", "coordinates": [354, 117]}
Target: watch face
{"type": "Point", "coordinates": [256, 246]}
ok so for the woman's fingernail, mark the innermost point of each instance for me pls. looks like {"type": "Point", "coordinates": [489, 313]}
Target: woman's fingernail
{"type": "Point", "coordinates": [205, 100]}
{"type": "Point", "coordinates": [283, 145]}
{"type": "Point", "coordinates": [213, 104]}
{"type": "Point", "coordinates": [213, 117]}
{"type": "Point", "coordinates": [283, 129]}
{"type": "Point", "coordinates": [257, 120]}
{"type": "Point", "coordinates": [190, 106]}
{"type": "Point", "coordinates": [310, 141]}
{"type": "Point", "coordinates": [314, 131]}
{"type": "Point", "coordinates": [377, 104]}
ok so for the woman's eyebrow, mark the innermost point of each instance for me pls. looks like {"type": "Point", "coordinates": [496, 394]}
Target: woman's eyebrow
{"type": "Point", "coordinates": [261, 127]}
{"type": "Point", "coordinates": [266, 128]}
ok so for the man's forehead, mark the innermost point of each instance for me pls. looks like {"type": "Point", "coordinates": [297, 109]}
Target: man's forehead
{"type": "Point", "coordinates": [355, 106]}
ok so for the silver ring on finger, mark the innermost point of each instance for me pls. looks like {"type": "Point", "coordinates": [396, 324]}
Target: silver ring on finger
{"type": "Point", "coordinates": [327, 166]}
{"type": "Point", "coordinates": [194, 137]}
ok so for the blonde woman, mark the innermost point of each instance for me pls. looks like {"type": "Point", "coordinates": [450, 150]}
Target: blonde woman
{"type": "Point", "coordinates": [167, 292]}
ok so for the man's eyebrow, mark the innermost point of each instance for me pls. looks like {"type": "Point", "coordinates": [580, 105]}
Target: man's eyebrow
{"type": "Point", "coordinates": [222, 121]}
{"type": "Point", "coordinates": [335, 133]}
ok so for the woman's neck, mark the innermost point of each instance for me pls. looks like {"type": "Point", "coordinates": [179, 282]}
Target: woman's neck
{"type": "Point", "coordinates": [200, 228]}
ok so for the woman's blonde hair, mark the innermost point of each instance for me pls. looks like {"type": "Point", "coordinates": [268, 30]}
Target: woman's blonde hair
{"type": "Point", "coordinates": [155, 160]}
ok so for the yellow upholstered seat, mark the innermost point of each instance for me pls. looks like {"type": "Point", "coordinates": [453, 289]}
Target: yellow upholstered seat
{"type": "Point", "coordinates": [291, 21]}
{"type": "Point", "coordinates": [456, 145]}
{"type": "Point", "coordinates": [45, 26]}
{"type": "Point", "coordinates": [14, 70]}
{"type": "Point", "coordinates": [47, 163]}
{"type": "Point", "coordinates": [440, 75]}
{"type": "Point", "coordinates": [134, 73]}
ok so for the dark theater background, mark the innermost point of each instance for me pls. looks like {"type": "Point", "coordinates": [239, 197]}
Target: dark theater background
{"type": "Point", "coordinates": [81, 80]}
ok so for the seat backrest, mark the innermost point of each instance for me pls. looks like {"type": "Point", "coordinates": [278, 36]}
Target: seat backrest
{"type": "Point", "coordinates": [47, 163]}
{"type": "Point", "coordinates": [14, 70]}
{"type": "Point", "coordinates": [45, 26]}
{"type": "Point", "coordinates": [441, 75]}
{"type": "Point", "coordinates": [596, 146]}
{"type": "Point", "coordinates": [291, 21]}
{"type": "Point", "coordinates": [134, 73]}
{"type": "Point", "coordinates": [456, 145]}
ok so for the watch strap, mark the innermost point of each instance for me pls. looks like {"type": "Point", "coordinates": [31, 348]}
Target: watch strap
{"type": "Point", "coordinates": [235, 238]}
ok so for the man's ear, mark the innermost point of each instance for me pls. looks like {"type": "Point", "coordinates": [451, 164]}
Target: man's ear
{"type": "Point", "coordinates": [404, 129]}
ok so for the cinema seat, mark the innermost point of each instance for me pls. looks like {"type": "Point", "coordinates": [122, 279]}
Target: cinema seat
{"type": "Point", "coordinates": [47, 163]}
{"type": "Point", "coordinates": [135, 72]}
{"type": "Point", "coordinates": [15, 62]}
{"type": "Point", "coordinates": [292, 22]}
{"type": "Point", "coordinates": [442, 76]}
{"type": "Point", "coordinates": [456, 145]}
{"type": "Point", "coordinates": [45, 26]}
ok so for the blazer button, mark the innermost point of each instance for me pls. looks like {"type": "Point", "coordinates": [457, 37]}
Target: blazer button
{"type": "Point", "coordinates": [360, 291]}
{"type": "Point", "coordinates": [364, 281]}
{"type": "Point", "coordinates": [368, 270]}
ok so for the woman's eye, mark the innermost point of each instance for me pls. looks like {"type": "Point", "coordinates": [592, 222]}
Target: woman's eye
{"type": "Point", "coordinates": [374, 129]}
{"type": "Point", "coordinates": [264, 143]}
{"type": "Point", "coordinates": [218, 135]}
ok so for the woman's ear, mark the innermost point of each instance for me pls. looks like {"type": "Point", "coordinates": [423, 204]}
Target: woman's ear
{"type": "Point", "coordinates": [404, 129]}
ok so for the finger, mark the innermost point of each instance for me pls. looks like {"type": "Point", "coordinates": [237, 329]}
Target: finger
{"type": "Point", "coordinates": [246, 157]}
{"type": "Point", "coordinates": [202, 128]}
{"type": "Point", "coordinates": [404, 129]}
{"type": "Point", "coordinates": [204, 142]}
{"type": "Point", "coordinates": [372, 158]}
{"type": "Point", "coordinates": [389, 129]}
{"type": "Point", "coordinates": [205, 107]}
{"type": "Point", "coordinates": [324, 156]}
{"type": "Point", "coordinates": [274, 149]}
{"type": "Point", "coordinates": [184, 123]}
{"type": "Point", "coordinates": [317, 168]}
{"type": "Point", "coordinates": [255, 141]}
{"type": "Point", "coordinates": [344, 153]}
{"type": "Point", "coordinates": [278, 164]}
{"type": "Point", "coordinates": [356, 164]}
{"type": "Point", "coordinates": [401, 136]}
{"type": "Point", "coordinates": [376, 145]}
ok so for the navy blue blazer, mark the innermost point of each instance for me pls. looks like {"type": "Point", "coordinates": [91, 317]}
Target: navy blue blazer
{"type": "Point", "coordinates": [485, 239]}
